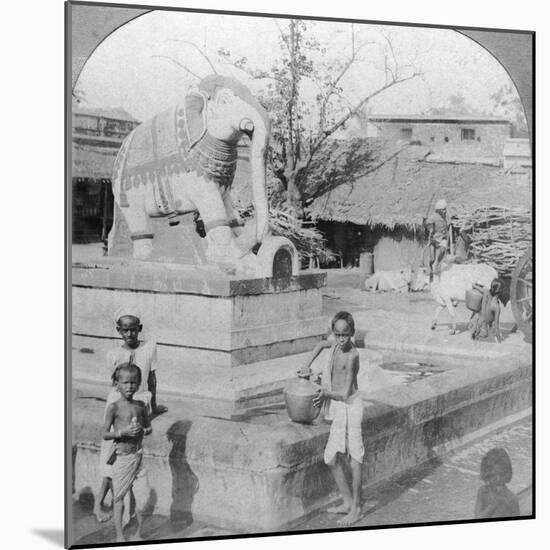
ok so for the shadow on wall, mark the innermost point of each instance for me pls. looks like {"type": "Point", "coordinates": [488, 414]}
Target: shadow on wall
{"type": "Point", "coordinates": [184, 486]}
{"type": "Point", "coordinates": [185, 483]}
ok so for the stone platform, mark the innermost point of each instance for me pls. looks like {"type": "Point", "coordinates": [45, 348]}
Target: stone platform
{"type": "Point", "coordinates": [219, 337]}
{"type": "Point", "coordinates": [267, 473]}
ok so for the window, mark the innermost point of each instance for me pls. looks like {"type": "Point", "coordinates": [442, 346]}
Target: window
{"type": "Point", "coordinates": [406, 133]}
{"type": "Point", "coordinates": [468, 134]}
{"type": "Point", "coordinates": [446, 139]}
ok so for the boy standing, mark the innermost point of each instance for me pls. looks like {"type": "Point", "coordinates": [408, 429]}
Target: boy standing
{"type": "Point", "coordinates": [126, 422]}
{"type": "Point", "coordinates": [142, 354]}
{"type": "Point", "coordinates": [343, 405]}
{"type": "Point", "coordinates": [488, 321]}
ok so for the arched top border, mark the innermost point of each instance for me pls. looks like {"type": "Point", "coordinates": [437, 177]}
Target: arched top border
{"type": "Point", "coordinates": [90, 26]}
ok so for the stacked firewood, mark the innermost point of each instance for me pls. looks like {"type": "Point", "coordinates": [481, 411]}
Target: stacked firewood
{"type": "Point", "coordinates": [308, 240]}
{"type": "Point", "coordinates": [499, 235]}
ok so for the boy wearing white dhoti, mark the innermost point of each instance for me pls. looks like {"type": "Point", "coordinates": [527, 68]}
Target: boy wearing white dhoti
{"type": "Point", "coordinates": [126, 422]}
{"type": "Point", "coordinates": [144, 355]}
{"type": "Point", "coordinates": [343, 406]}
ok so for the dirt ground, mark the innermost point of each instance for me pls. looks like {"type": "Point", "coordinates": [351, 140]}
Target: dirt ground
{"type": "Point", "coordinates": [390, 319]}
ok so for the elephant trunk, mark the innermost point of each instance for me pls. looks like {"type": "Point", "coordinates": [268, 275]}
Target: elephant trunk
{"type": "Point", "coordinates": [258, 149]}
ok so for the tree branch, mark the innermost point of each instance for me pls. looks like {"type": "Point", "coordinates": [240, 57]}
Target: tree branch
{"type": "Point", "coordinates": [253, 74]}
{"type": "Point", "coordinates": [366, 99]}
{"type": "Point", "coordinates": [284, 40]}
{"type": "Point", "coordinates": [327, 133]}
{"type": "Point", "coordinates": [352, 59]}
{"type": "Point", "coordinates": [179, 65]}
{"type": "Point", "coordinates": [203, 54]}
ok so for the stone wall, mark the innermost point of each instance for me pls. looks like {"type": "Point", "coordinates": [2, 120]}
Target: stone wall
{"type": "Point", "coordinates": [256, 477]}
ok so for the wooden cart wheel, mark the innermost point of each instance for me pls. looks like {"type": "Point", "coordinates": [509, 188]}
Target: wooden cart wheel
{"type": "Point", "coordinates": [521, 294]}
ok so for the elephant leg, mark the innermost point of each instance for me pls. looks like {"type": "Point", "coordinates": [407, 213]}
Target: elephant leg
{"type": "Point", "coordinates": [235, 221]}
{"type": "Point", "coordinates": [207, 199]}
{"type": "Point", "coordinates": [141, 230]}
{"type": "Point", "coordinates": [245, 235]}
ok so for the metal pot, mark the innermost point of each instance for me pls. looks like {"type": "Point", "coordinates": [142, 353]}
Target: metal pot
{"type": "Point", "coordinates": [299, 396]}
{"type": "Point", "coordinates": [473, 300]}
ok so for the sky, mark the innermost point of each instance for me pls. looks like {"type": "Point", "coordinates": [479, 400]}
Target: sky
{"type": "Point", "coordinates": [127, 69]}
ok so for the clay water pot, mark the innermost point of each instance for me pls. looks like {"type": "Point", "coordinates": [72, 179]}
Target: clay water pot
{"type": "Point", "coordinates": [299, 396]}
{"type": "Point", "coordinates": [473, 300]}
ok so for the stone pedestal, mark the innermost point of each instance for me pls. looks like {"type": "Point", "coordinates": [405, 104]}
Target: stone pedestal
{"type": "Point", "coordinates": [219, 337]}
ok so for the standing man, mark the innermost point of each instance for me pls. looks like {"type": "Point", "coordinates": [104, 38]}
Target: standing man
{"type": "Point", "coordinates": [438, 228]}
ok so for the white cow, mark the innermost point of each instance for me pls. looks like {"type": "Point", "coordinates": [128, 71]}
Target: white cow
{"type": "Point", "coordinates": [397, 280]}
{"type": "Point", "coordinates": [450, 288]}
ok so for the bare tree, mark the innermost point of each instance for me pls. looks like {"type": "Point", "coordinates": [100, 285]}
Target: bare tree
{"type": "Point", "coordinates": [304, 123]}
{"type": "Point", "coordinates": [303, 128]}
{"type": "Point", "coordinates": [507, 103]}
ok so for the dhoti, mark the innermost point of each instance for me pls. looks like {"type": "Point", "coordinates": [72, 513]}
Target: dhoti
{"type": "Point", "coordinates": [345, 432]}
{"type": "Point", "coordinates": [108, 447]}
{"type": "Point", "coordinates": [129, 473]}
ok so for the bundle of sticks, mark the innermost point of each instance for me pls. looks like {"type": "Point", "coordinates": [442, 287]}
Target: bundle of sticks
{"type": "Point", "coordinates": [500, 235]}
{"type": "Point", "coordinates": [309, 242]}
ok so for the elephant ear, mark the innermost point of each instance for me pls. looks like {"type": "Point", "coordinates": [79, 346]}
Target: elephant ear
{"type": "Point", "coordinates": [195, 117]}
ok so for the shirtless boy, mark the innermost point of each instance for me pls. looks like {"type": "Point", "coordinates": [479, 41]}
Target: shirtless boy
{"type": "Point", "coordinates": [126, 422]}
{"type": "Point", "coordinates": [142, 354]}
{"type": "Point", "coordinates": [488, 321]}
{"type": "Point", "coordinates": [343, 405]}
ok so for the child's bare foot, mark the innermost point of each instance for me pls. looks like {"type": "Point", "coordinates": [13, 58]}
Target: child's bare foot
{"type": "Point", "coordinates": [101, 515]}
{"type": "Point", "coordinates": [342, 509]}
{"type": "Point", "coordinates": [351, 518]}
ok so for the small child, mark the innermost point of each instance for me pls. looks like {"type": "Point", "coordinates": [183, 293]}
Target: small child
{"type": "Point", "coordinates": [343, 406]}
{"type": "Point", "coordinates": [488, 320]}
{"type": "Point", "coordinates": [494, 499]}
{"type": "Point", "coordinates": [126, 422]}
{"type": "Point", "coordinates": [142, 354]}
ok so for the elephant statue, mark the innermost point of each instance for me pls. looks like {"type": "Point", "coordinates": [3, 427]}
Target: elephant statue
{"type": "Point", "coordinates": [184, 160]}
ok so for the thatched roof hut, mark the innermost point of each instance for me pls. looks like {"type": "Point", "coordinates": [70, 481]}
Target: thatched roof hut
{"type": "Point", "coordinates": [399, 192]}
